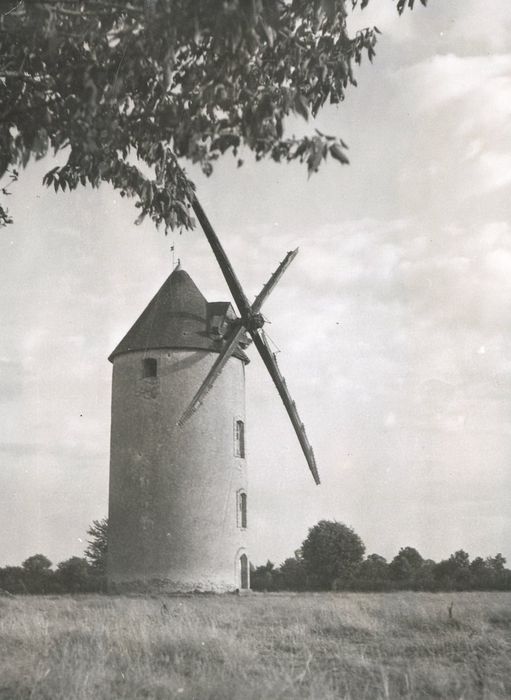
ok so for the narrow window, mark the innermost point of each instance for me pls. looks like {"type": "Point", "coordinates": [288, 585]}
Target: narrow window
{"type": "Point", "coordinates": [242, 509]}
{"type": "Point", "coordinates": [150, 368]}
{"type": "Point", "coordinates": [239, 438]}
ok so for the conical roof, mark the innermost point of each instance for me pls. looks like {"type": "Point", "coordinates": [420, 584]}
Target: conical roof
{"type": "Point", "coordinates": [177, 317]}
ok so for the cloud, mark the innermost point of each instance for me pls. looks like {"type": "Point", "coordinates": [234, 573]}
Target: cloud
{"type": "Point", "coordinates": [466, 104]}
{"type": "Point", "coordinates": [467, 24]}
{"type": "Point", "coordinates": [444, 78]}
{"type": "Point", "coordinates": [495, 169]}
{"type": "Point", "coordinates": [475, 26]}
{"type": "Point", "coordinates": [387, 323]}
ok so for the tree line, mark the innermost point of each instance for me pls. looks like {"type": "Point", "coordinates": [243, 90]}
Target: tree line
{"type": "Point", "coordinates": [332, 557]}
{"type": "Point", "coordinates": [85, 574]}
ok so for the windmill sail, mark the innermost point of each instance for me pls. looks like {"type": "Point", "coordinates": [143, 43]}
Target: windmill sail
{"type": "Point", "coordinates": [270, 285]}
{"type": "Point", "coordinates": [252, 322]}
{"type": "Point", "coordinates": [270, 361]}
{"type": "Point", "coordinates": [237, 330]}
{"type": "Point", "coordinates": [230, 276]}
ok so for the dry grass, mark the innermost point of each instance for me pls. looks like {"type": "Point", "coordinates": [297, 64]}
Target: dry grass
{"type": "Point", "coordinates": [276, 646]}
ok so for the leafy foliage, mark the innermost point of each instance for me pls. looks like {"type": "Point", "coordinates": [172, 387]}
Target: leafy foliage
{"type": "Point", "coordinates": [373, 574]}
{"type": "Point", "coordinates": [331, 557]}
{"type": "Point", "coordinates": [294, 574]}
{"type": "Point", "coordinates": [74, 576]}
{"type": "Point", "coordinates": [264, 578]}
{"type": "Point", "coordinates": [331, 553]}
{"type": "Point", "coordinates": [37, 564]}
{"type": "Point", "coordinates": [37, 574]}
{"type": "Point", "coordinates": [405, 566]}
{"type": "Point", "coordinates": [12, 580]}
{"type": "Point", "coordinates": [126, 89]}
{"type": "Point", "coordinates": [97, 545]}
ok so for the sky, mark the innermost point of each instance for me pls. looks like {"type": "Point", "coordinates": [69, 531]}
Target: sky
{"type": "Point", "coordinates": [393, 322]}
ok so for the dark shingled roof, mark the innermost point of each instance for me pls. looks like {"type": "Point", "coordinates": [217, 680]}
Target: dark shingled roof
{"type": "Point", "coordinates": [177, 317]}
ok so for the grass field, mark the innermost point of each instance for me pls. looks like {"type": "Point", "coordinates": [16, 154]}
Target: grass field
{"type": "Point", "coordinates": [321, 646]}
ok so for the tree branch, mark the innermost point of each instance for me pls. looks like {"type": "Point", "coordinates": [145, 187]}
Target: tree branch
{"type": "Point", "coordinates": [98, 5]}
{"type": "Point", "coordinates": [19, 75]}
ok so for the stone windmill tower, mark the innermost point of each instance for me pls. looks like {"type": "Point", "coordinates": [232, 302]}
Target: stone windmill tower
{"type": "Point", "coordinates": [178, 499]}
{"type": "Point", "coordinates": [178, 480]}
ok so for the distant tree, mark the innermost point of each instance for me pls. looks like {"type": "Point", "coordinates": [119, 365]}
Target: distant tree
{"type": "Point", "coordinates": [425, 580]}
{"type": "Point", "coordinates": [332, 558]}
{"type": "Point", "coordinates": [460, 559]}
{"type": "Point", "coordinates": [454, 574]}
{"type": "Point", "coordinates": [12, 579]}
{"type": "Point", "coordinates": [127, 88]}
{"type": "Point", "coordinates": [498, 574]}
{"type": "Point", "coordinates": [331, 553]}
{"type": "Point", "coordinates": [294, 574]}
{"type": "Point", "coordinates": [37, 574]}
{"type": "Point", "coordinates": [96, 551]}
{"type": "Point", "coordinates": [480, 574]}
{"type": "Point", "coordinates": [444, 576]}
{"type": "Point", "coordinates": [373, 574]}
{"type": "Point", "coordinates": [265, 577]}
{"type": "Point", "coordinates": [405, 568]}
{"type": "Point", "coordinates": [461, 568]}
{"type": "Point", "coordinates": [37, 563]}
{"type": "Point", "coordinates": [74, 576]}
{"type": "Point", "coordinates": [497, 563]}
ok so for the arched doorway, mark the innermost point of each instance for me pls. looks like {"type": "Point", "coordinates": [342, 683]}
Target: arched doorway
{"type": "Point", "coordinates": [244, 572]}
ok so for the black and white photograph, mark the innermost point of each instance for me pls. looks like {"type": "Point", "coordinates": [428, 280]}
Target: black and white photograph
{"type": "Point", "coordinates": [255, 349]}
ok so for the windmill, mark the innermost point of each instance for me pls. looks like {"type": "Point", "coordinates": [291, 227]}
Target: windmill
{"type": "Point", "coordinates": [252, 321]}
{"type": "Point", "coordinates": [178, 474]}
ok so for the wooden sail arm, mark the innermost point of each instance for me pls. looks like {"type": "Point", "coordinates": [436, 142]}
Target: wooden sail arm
{"type": "Point", "coordinates": [269, 360]}
{"type": "Point", "coordinates": [237, 330]}
{"type": "Point", "coordinates": [233, 282]}
{"type": "Point", "coordinates": [270, 285]}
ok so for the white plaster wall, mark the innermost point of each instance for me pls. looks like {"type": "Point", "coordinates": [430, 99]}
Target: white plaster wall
{"type": "Point", "coordinates": [173, 522]}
